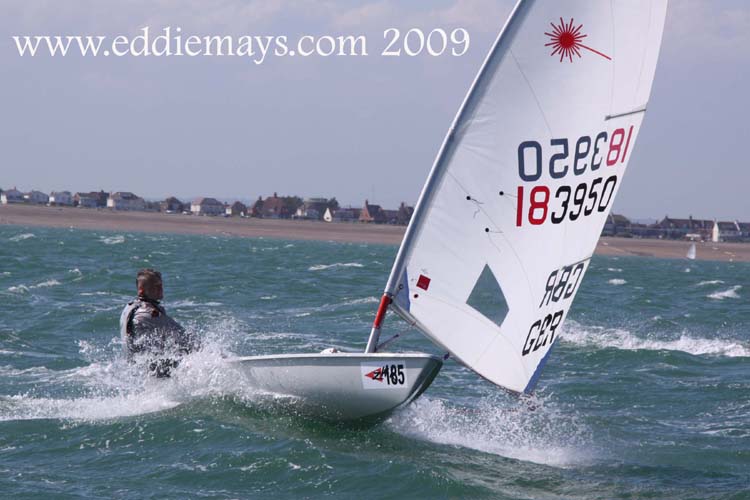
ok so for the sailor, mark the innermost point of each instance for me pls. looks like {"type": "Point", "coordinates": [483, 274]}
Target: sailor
{"type": "Point", "coordinates": [147, 329]}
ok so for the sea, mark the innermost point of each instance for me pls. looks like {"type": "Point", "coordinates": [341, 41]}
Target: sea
{"type": "Point", "coordinates": [646, 395]}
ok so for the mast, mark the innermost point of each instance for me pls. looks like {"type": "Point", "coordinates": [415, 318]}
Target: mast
{"type": "Point", "coordinates": [372, 342]}
{"type": "Point", "coordinates": [434, 179]}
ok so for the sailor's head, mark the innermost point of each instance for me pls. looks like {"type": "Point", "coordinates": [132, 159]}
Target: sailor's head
{"type": "Point", "coordinates": [149, 284]}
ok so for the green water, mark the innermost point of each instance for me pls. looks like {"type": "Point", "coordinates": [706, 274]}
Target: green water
{"type": "Point", "coordinates": [647, 394]}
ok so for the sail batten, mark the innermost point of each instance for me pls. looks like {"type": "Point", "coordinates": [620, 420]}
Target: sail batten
{"type": "Point", "coordinates": [524, 182]}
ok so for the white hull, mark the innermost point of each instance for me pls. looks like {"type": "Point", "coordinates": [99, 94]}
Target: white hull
{"type": "Point", "coordinates": [342, 386]}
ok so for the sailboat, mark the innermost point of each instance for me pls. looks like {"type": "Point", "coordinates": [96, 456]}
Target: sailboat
{"type": "Point", "coordinates": [515, 202]}
{"type": "Point", "coordinates": [691, 252]}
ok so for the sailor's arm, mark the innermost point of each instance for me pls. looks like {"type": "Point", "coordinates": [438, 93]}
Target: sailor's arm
{"type": "Point", "coordinates": [184, 340]}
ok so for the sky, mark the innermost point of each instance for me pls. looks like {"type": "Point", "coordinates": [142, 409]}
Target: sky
{"type": "Point", "coordinates": [353, 128]}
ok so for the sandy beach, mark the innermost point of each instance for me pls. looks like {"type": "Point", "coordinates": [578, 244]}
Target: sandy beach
{"type": "Point", "coordinates": [151, 222]}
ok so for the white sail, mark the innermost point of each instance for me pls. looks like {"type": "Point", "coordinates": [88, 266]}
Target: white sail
{"type": "Point", "coordinates": [691, 252]}
{"type": "Point", "coordinates": [525, 180]}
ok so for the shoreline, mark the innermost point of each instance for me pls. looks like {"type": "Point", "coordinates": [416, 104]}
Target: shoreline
{"type": "Point", "coordinates": [158, 222]}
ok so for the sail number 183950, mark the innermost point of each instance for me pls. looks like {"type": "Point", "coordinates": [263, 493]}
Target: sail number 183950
{"type": "Point", "coordinates": [537, 205]}
{"type": "Point", "coordinates": [569, 203]}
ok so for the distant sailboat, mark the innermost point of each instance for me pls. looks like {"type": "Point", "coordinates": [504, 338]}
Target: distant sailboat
{"type": "Point", "coordinates": [511, 211]}
{"type": "Point", "coordinates": [691, 252]}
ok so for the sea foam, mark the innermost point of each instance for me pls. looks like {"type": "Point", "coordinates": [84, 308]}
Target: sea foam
{"type": "Point", "coordinates": [321, 267]}
{"type": "Point", "coordinates": [623, 339]}
{"type": "Point", "coordinates": [110, 388]}
{"type": "Point", "coordinates": [726, 294]}
{"type": "Point", "coordinates": [112, 240]}
{"type": "Point", "coordinates": [710, 282]}
{"type": "Point", "coordinates": [531, 431]}
{"type": "Point", "coordinates": [21, 237]}
{"type": "Point", "coordinates": [24, 288]}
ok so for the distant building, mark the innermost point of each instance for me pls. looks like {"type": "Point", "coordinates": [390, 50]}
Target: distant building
{"type": "Point", "coordinates": [207, 206]}
{"type": "Point", "coordinates": [390, 216]}
{"type": "Point", "coordinates": [674, 228]}
{"type": "Point", "coordinates": [701, 229]}
{"type": "Point", "coordinates": [61, 198]}
{"type": "Point", "coordinates": [85, 200]}
{"type": "Point", "coordinates": [237, 209]}
{"type": "Point", "coordinates": [11, 196]}
{"type": "Point", "coordinates": [645, 230]}
{"type": "Point", "coordinates": [91, 199]}
{"type": "Point", "coordinates": [372, 213]}
{"type": "Point", "coordinates": [153, 206]}
{"type": "Point", "coordinates": [404, 214]}
{"type": "Point", "coordinates": [744, 230]}
{"type": "Point", "coordinates": [273, 207]}
{"type": "Point", "coordinates": [172, 205]}
{"type": "Point", "coordinates": [36, 197]}
{"type": "Point", "coordinates": [347, 215]}
{"type": "Point", "coordinates": [726, 231]}
{"type": "Point", "coordinates": [312, 208]}
{"type": "Point", "coordinates": [616, 225]}
{"type": "Point", "coordinates": [692, 229]}
{"type": "Point", "coordinates": [125, 200]}
{"type": "Point", "coordinates": [257, 208]}
{"type": "Point", "coordinates": [304, 212]}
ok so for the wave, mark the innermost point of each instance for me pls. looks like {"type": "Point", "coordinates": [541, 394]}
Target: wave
{"type": "Point", "coordinates": [614, 269]}
{"type": "Point", "coordinates": [263, 249]}
{"type": "Point", "coordinates": [710, 282]}
{"type": "Point", "coordinates": [25, 288]}
{"type": "Point", "coordinates": [603, 338]}
{"type": "Point", "coordinates": [21, 237]}
{"type": "Point", "coordinates": [365, 300]}
{"type": "Point", "coordinates": [533, 433]}
{"type": "Point", "coordinates": [617, 282]}
{"type": "Point", "coordinates": [46, 284]}
{"type": "Point", "coordinates": [726, 294]}
{"type": "Point", "coordinates": [110, 388]}
{"type": "Point", "coordinates": [112, 240]}
{"type": "Point", "coordinates": [190, 303]}
{"type": "Point", "coordinates": [86, 409]}
{"type": "Point", "coordinates": [299, 312]}
{"type": "Point", "coordinates": [321, 267]}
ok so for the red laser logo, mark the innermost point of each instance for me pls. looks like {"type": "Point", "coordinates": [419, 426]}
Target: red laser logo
{"type": "Point", "coordinates": [566, 41]}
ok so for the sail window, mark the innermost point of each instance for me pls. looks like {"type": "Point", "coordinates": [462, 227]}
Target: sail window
{"type": "Point", "coordinates": [487, 297]}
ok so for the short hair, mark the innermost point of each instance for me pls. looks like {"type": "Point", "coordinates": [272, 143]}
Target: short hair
{"type": "Point", "coordinates": [146, 278]}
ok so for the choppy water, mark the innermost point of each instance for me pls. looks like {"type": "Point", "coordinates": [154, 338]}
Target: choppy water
{"type": "Point", "coordinates": [647, 394]}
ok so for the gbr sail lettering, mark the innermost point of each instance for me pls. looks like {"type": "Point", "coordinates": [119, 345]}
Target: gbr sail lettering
{"type": "Point", "coordinates": [561, 285]}
{"type": "Point", "coordinates": [561, 160]}
{"type": "Point", "coordinates": [542, 331]}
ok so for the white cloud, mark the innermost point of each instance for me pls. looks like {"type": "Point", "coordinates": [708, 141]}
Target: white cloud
{"type": "Point", "coordinates": [253, 16]}
{"type": "Point", "coordinates": [366, 15]}
{"type": "Point", "coordinates": [719, 30]}
{"type": "Point", "coordinates": [482, 16]}
{"type": "Point", "coordinates": [486, 16]}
